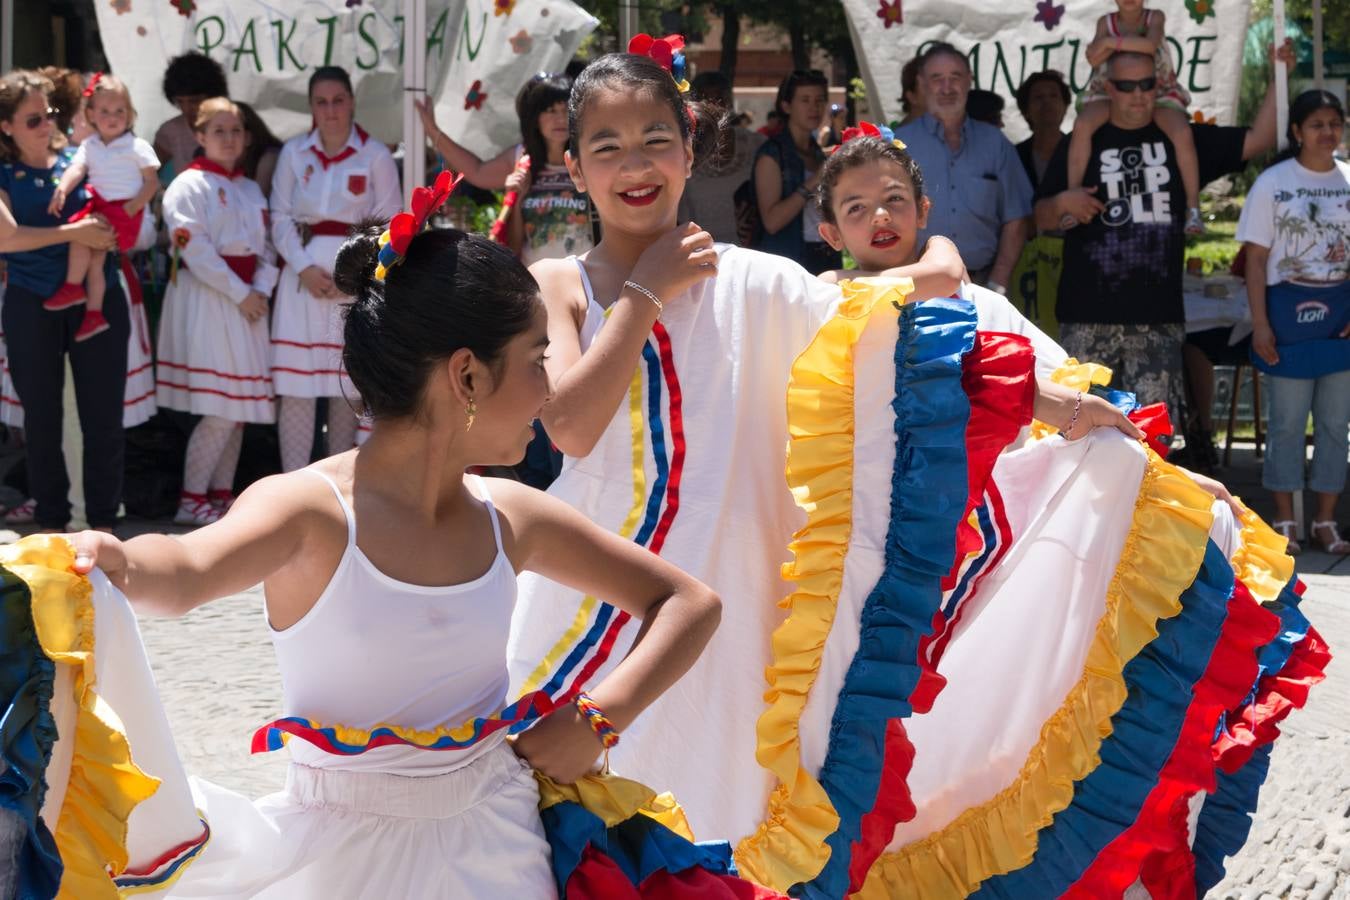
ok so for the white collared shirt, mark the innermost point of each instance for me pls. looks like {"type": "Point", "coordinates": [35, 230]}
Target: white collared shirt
{"type": "Point", "coordinates": [364, 185]}
{"type": "Point", "coordinates": [115, 168]}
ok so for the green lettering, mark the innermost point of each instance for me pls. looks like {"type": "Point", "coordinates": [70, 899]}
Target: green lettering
{"type": "Point", "coordinates": [1192, 83]}
{"type": "Point", "coordinates": [398, 23]}
{"type": "Point", "coordinates": [1001, 62]}
{"type": "Point", "coordinates": [437, 36]}
{"type": "Point", "coordinates": [248, 46]}
{"type": "Point", "coordinates": [468, 35]}
{"type": "Point", "coordinates": [330, 23]}
{"type": "Point", "coordinates": [973, 56]}
{"type": "Point", "coordinates": [204, 42]}
{"type": "Point", "coordinates": [284, 45]}
{"type": "Point", "coordinates": [366, 38]}
{"type": "Point", "coordinates": [1045, 53]}
{"type": "Point", "coordinates": [1074, 83]}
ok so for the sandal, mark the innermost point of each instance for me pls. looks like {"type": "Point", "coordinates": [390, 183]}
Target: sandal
{"type": "Point", "coordinates": [1288, 529]}
{"type": "Point", "coordinates": [22, 514]}
{"type": "Point", "coordinates": [1336, 546]}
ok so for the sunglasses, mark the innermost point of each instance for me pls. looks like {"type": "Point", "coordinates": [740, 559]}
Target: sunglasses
{"type": "Point", "coordinates": [1129, 86]}
{"type": "Point", "coordinates": [37, 119]}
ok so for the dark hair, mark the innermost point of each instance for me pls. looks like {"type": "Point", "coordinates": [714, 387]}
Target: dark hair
{"type": "Point", "coordinates": [941, 48]}
{"type": "Point", "coordinates": [330, 73]}
{"type": "Point", "coordinates": [858, 152]}
{"type": "Point", "coordinates": [194, 75]}
{"type": "Point", "coordinates": [260, 139]}
{"type": "Point", "coordinates": [539, 94]}
{"type": "Point", "coordinates": [15, 88]}
{"type": "Point", "coordinates": [713, 82]}
{"type": "Point", "coordinates": [707, 124]}
{"type": "Point", "coordinates": [909, 81]}
{"type": "Point", "coordinates": [984, 106]}
{"type": "Point", "coordinates": [66, 94]}
{"type": "Point", "coordinates": [799, 78]}
{"type": "Point", "coordinates": [1309, 102]}
{"type": "Point", "coordinates": [451, 290]}
{"type": "Point", "coordinates": [1052, 76]}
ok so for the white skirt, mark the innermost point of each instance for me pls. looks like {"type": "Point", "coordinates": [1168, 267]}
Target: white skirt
{"type": "Point", "coordinates": [212, 360]}
{"type": "Point", "coordinates": [474, 832]}
{"type": "Point", "coordinates": [307, 334]}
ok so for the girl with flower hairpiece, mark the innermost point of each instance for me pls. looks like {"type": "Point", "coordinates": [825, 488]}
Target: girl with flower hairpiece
{"type": "Point", "coordinates": [403, 781]}
{"type": "Point", "coordinates": [884, 601]}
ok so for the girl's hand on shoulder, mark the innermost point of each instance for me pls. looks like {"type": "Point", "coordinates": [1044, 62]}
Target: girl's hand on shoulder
{"type": "Point", "coordinates": [676, 261]}
{"type": "Point", "coordinates": [562, 746]}
{"type": "Point", "coordinates": [102, 550]}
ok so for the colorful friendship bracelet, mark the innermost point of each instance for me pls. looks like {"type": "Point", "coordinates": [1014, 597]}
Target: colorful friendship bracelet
{"type": "Point", "coordinates": [595, 717]}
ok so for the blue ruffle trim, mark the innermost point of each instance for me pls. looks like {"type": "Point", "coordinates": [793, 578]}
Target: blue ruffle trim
{"type": "Point", "coordinates": [928, 499]}
{"type": "Point", "coordinates": [640, 846]}
{"type": "Point", "coordinates": [1161, 682]}
{"type": "Point", "coordinates": [1225, 819]}
{"type": "Point", "coordinates": [27, 733]}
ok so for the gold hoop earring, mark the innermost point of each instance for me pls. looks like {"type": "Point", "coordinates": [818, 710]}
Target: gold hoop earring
{"type": "Point", "coordinates": [470, 412]}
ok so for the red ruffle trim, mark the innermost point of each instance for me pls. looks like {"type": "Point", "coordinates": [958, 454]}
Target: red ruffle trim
{"type": "Point", "coordinates": [1161, 824]}
{"type": "Point", "coordinates": [597, 877]}
{"type": "Point", "coordinates": [999, 379]}
{"type": "Point", "coordinates": [1277, 695]}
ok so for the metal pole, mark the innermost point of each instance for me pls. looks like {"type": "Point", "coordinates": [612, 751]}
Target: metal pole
{"type": "Point", "coordinates": [414, 87]}
{"type": "Point", "coordinates": [1281, 81]}
{"type": "Point", "coordinates": [628, 22]}
{"type": "Point", "coordinates": [6, 35]}
{"type": "Point", "coordinates": [1318, 71]}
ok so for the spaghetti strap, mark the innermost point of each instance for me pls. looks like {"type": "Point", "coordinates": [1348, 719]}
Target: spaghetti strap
{"type": "Point", "coordinates": [585, 280]}
{"type": "Point", "coordinates": [486, 497]}
{"type": "Point", "coordinates": [346, 508]}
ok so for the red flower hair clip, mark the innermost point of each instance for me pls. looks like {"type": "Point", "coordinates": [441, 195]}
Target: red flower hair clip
{"type": "Point", "coordinates": [93, 83]}
{"type": "Point", "coordinates": [668, 52]}
{"type": "Point", "coordinates": [407, 225]}
{"type": "Point", "coordinates": [867, 129]}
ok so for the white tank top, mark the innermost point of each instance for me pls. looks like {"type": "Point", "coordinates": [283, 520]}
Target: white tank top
{"type": "Point", "coordinates": [377, 651]}
{"type": "Point", "coordinates": [595, 313]}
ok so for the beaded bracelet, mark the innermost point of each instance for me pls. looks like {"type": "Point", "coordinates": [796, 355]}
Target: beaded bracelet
{"type": "Point", "coordinates": [595, 717]}
{"type": "Point", "coordinates": [646, 293]}
{"type": "Point", "coordinates": [1073, 420]}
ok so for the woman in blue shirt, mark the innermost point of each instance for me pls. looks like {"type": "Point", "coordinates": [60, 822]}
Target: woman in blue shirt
{"type": "Point", "coordinates": [34, 246]}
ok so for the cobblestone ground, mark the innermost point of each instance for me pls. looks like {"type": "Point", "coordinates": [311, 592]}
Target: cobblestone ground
{"type": "Point", "coordinates": [219, 681]}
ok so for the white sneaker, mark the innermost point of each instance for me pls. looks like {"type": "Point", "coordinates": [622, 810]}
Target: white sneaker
{"type": "Point", "coordinates": [195, 509]}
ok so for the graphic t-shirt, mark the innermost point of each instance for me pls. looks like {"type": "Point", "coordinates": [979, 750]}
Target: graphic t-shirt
{"type": "Point", "coordinates": [1124, 267]}
{"type": "Point", "coordinates": [1304, 218]}
{"type": "Point", "coordinates": [557, 217]}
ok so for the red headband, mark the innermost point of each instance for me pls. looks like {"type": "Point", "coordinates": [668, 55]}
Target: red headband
{"type": "Point", "coordinates": [93, 82]}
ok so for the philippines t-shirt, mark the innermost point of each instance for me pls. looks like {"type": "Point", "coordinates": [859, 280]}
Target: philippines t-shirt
{"type": "Point", "coordinates": [1303, 217]}
{"type": "Point", "coordinates": [1125, 266]}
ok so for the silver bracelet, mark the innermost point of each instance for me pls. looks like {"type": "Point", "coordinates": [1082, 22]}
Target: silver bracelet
{"type": "Point", "coordinates": [646, 293]}
{"type": "Point", "coordinates": [1073, 420]}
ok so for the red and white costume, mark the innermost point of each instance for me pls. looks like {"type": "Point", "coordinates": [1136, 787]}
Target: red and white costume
{"type": "Point", "coordinates": [212, 360]}
{"type": "Point", "coordinates": [116, 174]}
{"type": "Point", "coordinates": [320, 196]}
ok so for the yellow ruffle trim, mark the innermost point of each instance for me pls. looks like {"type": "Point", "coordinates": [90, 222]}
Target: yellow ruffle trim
{"type": "Point", "coordinates": [615, 800]}
{"type": "Point", "coordinates": [1261, 563]}
{"type": "Point", "coordinates": [1162, 553]}
{"type": "Point", "coordinates": [789, 845]}
{"type": "Point", "coordinates": [105, 785]}
{"type": "Point", "coordinates": [1075, 376]}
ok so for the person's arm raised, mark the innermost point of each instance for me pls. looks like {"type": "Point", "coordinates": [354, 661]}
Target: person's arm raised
{"type": "Point", "coordinates": [1261, 135]}
{"type": "Point", "coordinates": [679, 615]}
{"type": "Point", "coordinates": [168, 575]}
{"type": "Point", "coordinates": [588, 387]}
{"type": "Point", "coordinates": [487, 174]}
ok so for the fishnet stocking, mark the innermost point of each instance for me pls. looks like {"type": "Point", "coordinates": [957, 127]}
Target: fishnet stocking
{"type": "Point", "coordinates": [295, 426]}
{"type": "Point", "coordinates": [205, 447]}
{"type": "Point", "coordinates": [222, 479]}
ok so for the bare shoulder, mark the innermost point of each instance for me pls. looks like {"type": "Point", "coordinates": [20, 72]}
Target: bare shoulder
{"type": "Point", "coordinates": [560, 284]}
{"type": "Point", "coordinates": [830, 277]}
{"type": "Point", "coordinates": [292, 497]}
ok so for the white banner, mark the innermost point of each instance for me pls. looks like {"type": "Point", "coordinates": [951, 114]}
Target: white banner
{"type": "Point", "coordinates": [479, 53]}
{"type": "Point", "coordinates": [1010, 40]}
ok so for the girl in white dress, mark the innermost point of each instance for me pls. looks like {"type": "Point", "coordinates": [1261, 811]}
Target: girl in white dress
{"type": "Point", "coordinates": [377, 628]}
{"type": "Point", "coordinates": [213, 354]}
{"type": "Point", "coordinates": [325, 181]}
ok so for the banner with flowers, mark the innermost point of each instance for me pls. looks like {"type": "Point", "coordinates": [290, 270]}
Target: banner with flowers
{"type": "Point", "coordinates": [479, 53]}
{"type": "Point", "coordinates": [1008, 41]}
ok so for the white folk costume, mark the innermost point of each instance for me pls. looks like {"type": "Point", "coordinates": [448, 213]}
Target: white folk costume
{"type": "Point", "coordinates": [977, 637]}
{"type": "Point", "coordinates": [212, 360]}
{"type": "Point", "coordinates": [316, 198]}
{"type": "Point", "coordinates": [415, 794]}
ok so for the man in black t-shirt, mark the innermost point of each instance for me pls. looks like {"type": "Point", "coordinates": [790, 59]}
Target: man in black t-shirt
{"type": "Point", "coordinates": [1120, 293]}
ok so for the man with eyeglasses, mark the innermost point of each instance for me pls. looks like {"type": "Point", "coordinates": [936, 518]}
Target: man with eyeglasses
{"type": "Point", "coordinates": [1120, 300]}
